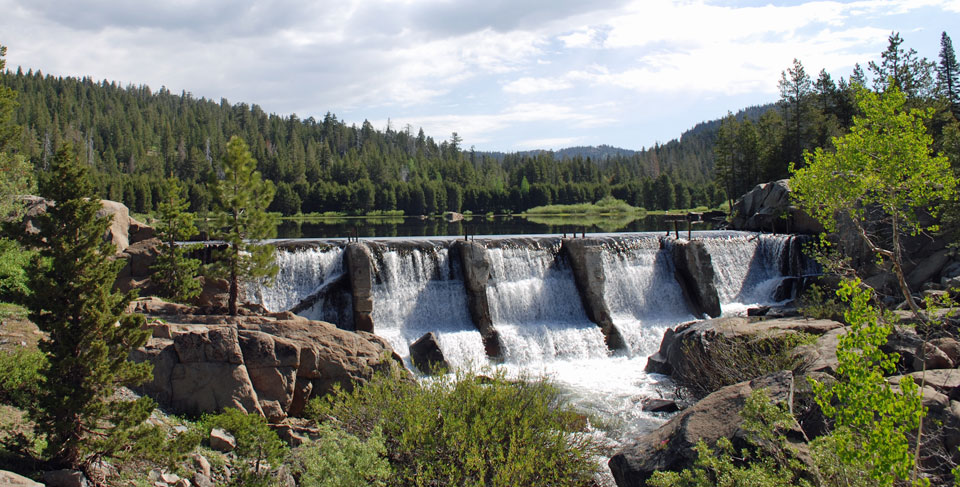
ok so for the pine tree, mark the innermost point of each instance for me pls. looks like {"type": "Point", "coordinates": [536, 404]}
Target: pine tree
{"type": "Point", "coordinates": [174, 274]}
{"type": "Point", "coordinates": [795, 94]}
{"type": "Point", "coordinates": [902, 69]}
{"type": "Point", "coordinates": [240, 200]}
{"type": "Point", "coordinates": [89, 337]}
{"type": "Point", "coordinates": [948, 75]}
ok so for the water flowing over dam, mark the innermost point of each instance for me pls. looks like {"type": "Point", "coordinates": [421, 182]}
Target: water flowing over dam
{"type": "Point", "coordinates": [586, 312]}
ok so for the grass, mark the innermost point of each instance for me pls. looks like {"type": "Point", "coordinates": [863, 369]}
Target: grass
{"type": "Point", "coordinates": [607, 206]}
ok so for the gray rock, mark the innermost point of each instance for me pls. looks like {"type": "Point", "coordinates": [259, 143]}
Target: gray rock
{"type": "Point", "coordinates": [476, 273]}
{"type": "Point", "coordinates": [13, 480]}
{"type": "Point", "coordinates": [586, 260]}
{"type": "Point", "coordinates": [694, 272]}
{"type": "Point", "coordinates": [65, 478]}
{"type": "Point", "coordinates": [928, 269]}
{"type": "Point", "coordinates": [202, 480]}
{"type": "Point", "coordinates": [359, 264]}
{"type": "Point", "coordinates": [767, 208]}
{"type": "Point", "coordinates": [201, 463]}
{"type": "Point", "coordinates": [670, 447]}
{"type": "Point", "coordinates": [657, 405]}
{"type": "Point", "coordinates": [426, 355]}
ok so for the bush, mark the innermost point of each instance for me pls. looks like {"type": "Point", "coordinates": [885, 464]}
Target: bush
{"type": "Point", "coordinates": [469, 430]}
{"type": "Point", "coordinates": [20, 378]}
{"type": "Point", "coordinates": [819, 303]}
{"type": "Point", "coordinates": [339, 459]}
{"type": "Point", "coordinates": [257, 444]}
{"type": "Point", "coordinates": [14, 261]}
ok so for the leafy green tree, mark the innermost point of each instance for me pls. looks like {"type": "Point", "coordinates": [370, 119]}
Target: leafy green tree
{"type": "Point", "coordinates": [88, 336]}
{"type": "Point", "coordinates": [258, 446]}
{"type": "Point", "coordinates": [884, 162]}
{"type": "Point", "coordinates": [948, 74]}
{"type": "Point", "coordinates": [873, 419]}
{"type": "Point", "coordinates": [174, 273]}
{"type": "Point", "coordinates": [240, 200]}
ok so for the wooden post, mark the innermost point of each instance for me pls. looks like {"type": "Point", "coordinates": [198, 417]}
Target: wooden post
{"type": "Point", "coordinates": [676, 228]}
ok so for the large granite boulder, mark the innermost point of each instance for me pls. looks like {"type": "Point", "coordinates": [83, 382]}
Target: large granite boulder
{"type": "Point", "coordinates": [426, 355]}
{"type": "Point", "coordinates": [119, 231]}
{"type": "Point", "coordinates": [679, 344]}
{"type": "Point", "coordinates": [767, 208]}
{"type": "Point", "coordinates": [694, 272]}
{"type": "Point", "coordinates": [268, 364]}
{"type": "Point", "coordinates": [671, 447]}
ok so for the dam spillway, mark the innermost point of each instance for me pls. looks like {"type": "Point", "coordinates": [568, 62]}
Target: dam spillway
{"type": "Point", "coordinates": [585, 312]}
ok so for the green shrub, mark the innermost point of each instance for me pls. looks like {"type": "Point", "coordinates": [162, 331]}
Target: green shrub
{"type": "Point", "coordinates": [819, 303]}
{"type": "Point", "coordinates": [257, 445]}
{"type": "Point", "coordinates": [20, 379]}
{"type": "Point", "coordinates": [469, 430]}
{"type": "Point", "coordinates": [14, 261]}
{"type": "Point", "coordinates": [339, 459]}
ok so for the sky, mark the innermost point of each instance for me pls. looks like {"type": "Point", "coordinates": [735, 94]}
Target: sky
{"type": "Point", "coordinates": [506, 75]}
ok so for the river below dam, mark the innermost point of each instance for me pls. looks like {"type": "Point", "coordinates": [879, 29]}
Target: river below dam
{"type": "Point", "coordinates": [535, 304]}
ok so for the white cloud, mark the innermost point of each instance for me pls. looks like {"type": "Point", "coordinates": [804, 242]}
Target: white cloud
{"type": "Point", "coordinates": [554, 143]}
{"type": "Point", "coordinates": [527, 85]}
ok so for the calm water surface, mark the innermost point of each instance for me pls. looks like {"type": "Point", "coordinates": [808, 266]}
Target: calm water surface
{"type": "Point", "coordinates": [477, 225]}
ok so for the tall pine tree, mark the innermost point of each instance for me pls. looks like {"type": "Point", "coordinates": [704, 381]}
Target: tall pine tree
{"type": "Point", "coordinates": [948, 75]}
{"type": "Point", "coordinates": [89, 337]}
{"type": "Point", "coordinates": [240, 200]}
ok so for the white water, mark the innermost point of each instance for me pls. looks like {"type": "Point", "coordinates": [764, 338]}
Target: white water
{"type": "Point", "coordinates": [747, 269]}
{"type": "Point", "coordinates": [416, 294]}
{"type": "Point", "coordinates": [642, 294]}
{"type": "Point", "coordinates": [302, 272]}
{"type": "Point", "coordinates": [535, 307]}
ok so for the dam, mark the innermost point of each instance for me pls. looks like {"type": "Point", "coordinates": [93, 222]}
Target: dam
{"type": "Point", "coordinates": [584, 312]}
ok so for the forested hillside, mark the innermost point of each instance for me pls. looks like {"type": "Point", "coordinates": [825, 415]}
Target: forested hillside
{"type": "Point", "coordinates": [134, 136]}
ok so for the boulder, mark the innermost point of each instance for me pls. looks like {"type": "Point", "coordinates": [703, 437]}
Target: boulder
{"type": "Point", "coordinates": [13, 480]}
{"type": "Point", "coordinates": [658, 405]}
{"type": "Point", "coordinates": [671, 447]}
{"type": "Point", "coordinates": [476, 272]}
{"type": "Point", "coordinates": [65, 478]}
{"type": "Point", "coordinates": [215, 293]}
{"type": "Point", "coordinates": [767, 208]}
{"type": "Point", "coordinates": [426, 355]}
{"type": "Point", "coordinates": [119, 231]}
{"type": "Point", "coordinates": [198, 387]}
{"type": "Point", "coordinates": [359, 264]}
{"type": "Point", "coordinates": [694, 272]}
{"type": "Point", "coordinates": [680, 344]}
{"type": "Point", "coordinates": [928, 269]}
{"type": "Point", "coordinates": [222, 441]}
{"type": "Point", "coordinates": [139, 258]}
{"type": "Point", "coordinates": [949, 346]}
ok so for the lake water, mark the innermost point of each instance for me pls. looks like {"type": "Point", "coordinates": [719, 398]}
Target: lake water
{"type": "Point", "coordinates": [477, 225]}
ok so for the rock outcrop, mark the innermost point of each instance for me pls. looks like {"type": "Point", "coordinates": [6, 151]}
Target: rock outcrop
{"type": "Point", "coordinates": [671, 447]}
{"type": "Point", "coordinates": [123, 231]}
{"type": "Point", "coordinates": [694, 271]}
{"type": "Point", "coordinates": [767, 208]}
{"type": "Point", "coordinates": [690, 343]}
{"type": "Point", "coordinates": [360, 270]}
{"type": "Point", "coordinates": [269, 364]}
{"type": "Point", "coordinates": [586, 260]}
{"type": "Point", "coordinates": [476, 273]}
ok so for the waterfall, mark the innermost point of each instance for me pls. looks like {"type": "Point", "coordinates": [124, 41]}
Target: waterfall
{"type": "Point", "coordinates": [642, 293]}
{"type": "Point", "coordinates": [535, 307]}
{"type": "Point", "coordinates": [302, 273]}
{"type": "Point", "coordinates": [420, 290]}
{"type": "Point", "coordinates": [747, 268]}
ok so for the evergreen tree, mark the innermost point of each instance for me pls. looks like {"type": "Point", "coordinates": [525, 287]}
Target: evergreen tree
{"type": "Point", "coordinates": [795, 92]}
{"type": "Point", "coordinates": [948, 75]}
{"type": "Point", "coordinates": [240, 200]}
{"type": "Point", "coordinates": [88, 336]}
{"type": "Point", "coordinates": [902, 69]}
{"type": "Point", "coordinates": [174, 274]}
